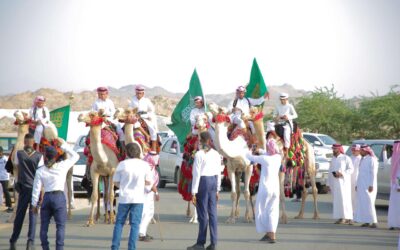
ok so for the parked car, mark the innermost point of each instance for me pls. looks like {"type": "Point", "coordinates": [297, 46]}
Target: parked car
{"type": "Point", "coordinates": [321, 143]}
{"type": "Point", "coordinates": [78, 172]}
{"type": "Point", "coordinates": [170, 161]}
{"type": "Point", "coordinates": [322, 172]}
{"type": "Point", "coordinates": [383, 177]}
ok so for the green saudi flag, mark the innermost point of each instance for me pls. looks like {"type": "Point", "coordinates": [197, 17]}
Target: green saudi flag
{"type": "Point", "coordinates": [180, 118]}
{"type": "Point", "coordinates": [60, 118]}
{"type": "Point", "coordinates": [256, 87]}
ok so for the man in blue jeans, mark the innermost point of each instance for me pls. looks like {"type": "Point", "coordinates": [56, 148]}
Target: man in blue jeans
{"type": "Point", "coordinates": [131, 176]}
{"type": "Point", "coordinates": [52, 177]}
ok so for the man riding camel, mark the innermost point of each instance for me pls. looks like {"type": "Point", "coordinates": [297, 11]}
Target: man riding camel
{"type": "Point", "coordinates": [40, 116]}
{"type": "Point", "coordinates": [107, 106]}
{"type": "Point", "coordinates": [198, 110]}
{"type": "Point", "coordinates": [284, 114]}
{"type": "Point", "coordinates": [146, 111]}
{"type": "Point", "coordinates": [241, 105]}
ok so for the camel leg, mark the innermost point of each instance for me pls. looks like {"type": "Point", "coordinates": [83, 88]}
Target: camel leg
{"type": "Point", "coordinates": [69, 193]}
{"type": "Point", "coordinates": [249, 170]}
{"type": "Point", "coordinates": [94, 197]}
{"type": "Point", "coordinates": [315, 193]}
{"type": "Point", "coordinates": [238, 176]}
{"type": "Point", "coordinates": [232, 178]}
{"type": "Point", "coordinates": [106, 199]}
{"type": "Point", "coordinates": [98, 214]}
{"type": "Point", "coordinates": [16, 195]}
{"type": "Point", "coordinates": [303, 201]}
{"type": "Point", "coordinates": [188, 212]}
{"type": "Point", "coordinates": [283, 217]}
{"type": "Point", "coordinates": [111, 199]}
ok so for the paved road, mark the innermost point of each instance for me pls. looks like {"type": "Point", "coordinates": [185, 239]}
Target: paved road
{"type": "Point", "coordinates": [178, 234]}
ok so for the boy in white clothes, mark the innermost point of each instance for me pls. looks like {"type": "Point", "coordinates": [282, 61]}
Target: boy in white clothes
{"type": "Point", "coordinates": [40, 116]}
{"type": "Point", "coordinates": [284, 114]}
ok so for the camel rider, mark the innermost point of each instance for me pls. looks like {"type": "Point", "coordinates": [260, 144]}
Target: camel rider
{"type": "Point", "coordinates": [199, 110]}
{"type": "Point", "coordinates": [284, 114]}
{"type": "Point", "coordinates": [105, 104]}
{"type": "Point", "coordinates": [146, 111]}
{"type": "Point", "coordinates": [241, 105]}
{"type": "Point", "coordinates": [40, 116]}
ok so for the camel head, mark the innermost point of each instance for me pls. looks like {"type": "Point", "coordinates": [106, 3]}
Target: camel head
{"type": "Point", "coordinates": [201, 122]}
{"type": "Point", "coordinates": [21, 117]}
{"type": "Point", "coordinates": [255, 114]}
{"type": "Point", "coordinates": [128, 115]}
{"type": "Point", "coordinates": [92, 118]}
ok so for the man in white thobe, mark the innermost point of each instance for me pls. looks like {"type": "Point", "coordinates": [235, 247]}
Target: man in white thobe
{"type": "Point", "coordinates": [241, 106]}
{"type": "Point", "coordinates": [339, 179]}
{"type": "Point", "coordinates": [367, 188]}
{"type": "Point", "coordinates": [40, 116]}
{"type": "Point", "coordinates": [146, 110]}
{"type": "Point", "coordinates": [106, 106]}
{"type": "Point", "coordinates": [267, 201]}
{"type": "Point", "coordinates": [355, 158]}
{"type": "Point", "coordinates": [394, 201]}
{"type": "Point", "coordinates": [197, 111]}
{"type": "Point", "coordinates": [284, 114]}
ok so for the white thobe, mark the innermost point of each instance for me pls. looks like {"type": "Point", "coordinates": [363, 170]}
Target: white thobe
{"type": "Point", "coordinates": [394, 203]}
{"type": "Point", "coordinates": [356, 165]}
{"type": "Point", "coordinates": [107, 106]}
{"type": "Point", "coordinates": [367, 176]}
{"type": "Point", "coordinates": [42, 115]}
{"type": "Point", "coordinates": [244, 108]}
{"type": "Point", "coordinates": [290, 112]}
{"type": "Point", "coordinates": [341, 187]}
{"type": "Point", "coordinates": [146, 106]}
{"type": "Point", "coordinates": [267, 200]}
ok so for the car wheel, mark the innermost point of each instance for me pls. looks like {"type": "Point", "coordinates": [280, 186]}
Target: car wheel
{"type": "Point", "coordinates": [161, 183]}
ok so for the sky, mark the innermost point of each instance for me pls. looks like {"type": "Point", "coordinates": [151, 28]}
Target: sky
{"type": "Point", "coordinates": [80, 44]}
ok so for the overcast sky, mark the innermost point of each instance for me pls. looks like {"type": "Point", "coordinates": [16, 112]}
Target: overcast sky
{"type": "Point", "coordinates": [79, 45]}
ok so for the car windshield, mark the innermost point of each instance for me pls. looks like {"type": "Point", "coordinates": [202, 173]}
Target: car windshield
{"type": "Point", "coordinates": [82, 159]}
{"type": "Point", "coordinates": [327, 140]}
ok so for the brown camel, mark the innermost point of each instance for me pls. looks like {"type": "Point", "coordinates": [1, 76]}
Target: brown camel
{"type": "Point", "coordinates": [104, 163]}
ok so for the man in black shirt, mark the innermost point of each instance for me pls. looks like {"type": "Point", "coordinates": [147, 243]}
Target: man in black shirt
{"type": "Point", "coordinates": [28, 160]}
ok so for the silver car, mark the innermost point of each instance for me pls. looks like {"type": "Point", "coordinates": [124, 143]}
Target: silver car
{"type": "Point", "coordinates": [383, 177]}
{"type": "Point", "coordinates": [170, 161]}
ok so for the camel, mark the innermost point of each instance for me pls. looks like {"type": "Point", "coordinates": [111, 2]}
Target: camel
{"type": "Point", "coordinates": [104, 163]}
{"type": "Point", "coordinates": [22, 120]}
{"type": "Point", "coordinates": [236, 162]}
{"type": "Point", "coordinates": [309, 165]}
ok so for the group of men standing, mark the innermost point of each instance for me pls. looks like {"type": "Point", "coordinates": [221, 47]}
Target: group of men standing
{"type": "Point", "coordinates": [353, 183]}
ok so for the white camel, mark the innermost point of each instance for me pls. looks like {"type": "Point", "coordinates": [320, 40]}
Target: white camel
{"type": "Point", "coordinates": [236, 162]}
{"type": "Point", "coordinates": [104, 164]}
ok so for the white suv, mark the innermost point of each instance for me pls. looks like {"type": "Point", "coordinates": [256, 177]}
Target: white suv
{"type": "Point", "coordinates": [321, 143]}
{"type": "Point", "coordinates": [170, 161]}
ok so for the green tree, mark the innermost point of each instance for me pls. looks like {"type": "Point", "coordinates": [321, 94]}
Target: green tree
{"type": "Point", "coordinates": [380, 116]}
{"type": "Point", "coordinates": [324, 112]}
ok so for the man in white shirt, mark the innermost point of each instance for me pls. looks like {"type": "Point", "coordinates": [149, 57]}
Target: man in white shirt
{"type": "Point", "coordinates": [339, 179]}
{"type": "Point", "coordinates": [206, 184]}
{"type": "Point", "coordinates": [355, 158]}
{"type": "Point", "coordinates": [40, 116]}
{"type": "Point", "coordinates": [394, 201]}
{"type": "Point", "coordinates": [131, 176]}
{"type": "Point", "coordinates": [52, 177]}
{"type": "Point", "coordinates": [198, 110]}
{"type": "Point", "coordinates": [241, 106]}
{"type": "Point", "coordinates": [146, 111]}
{"type": "Point", "coordinates": [367, 188]}
{"type": "Point", "coordinates": [284, 114]}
